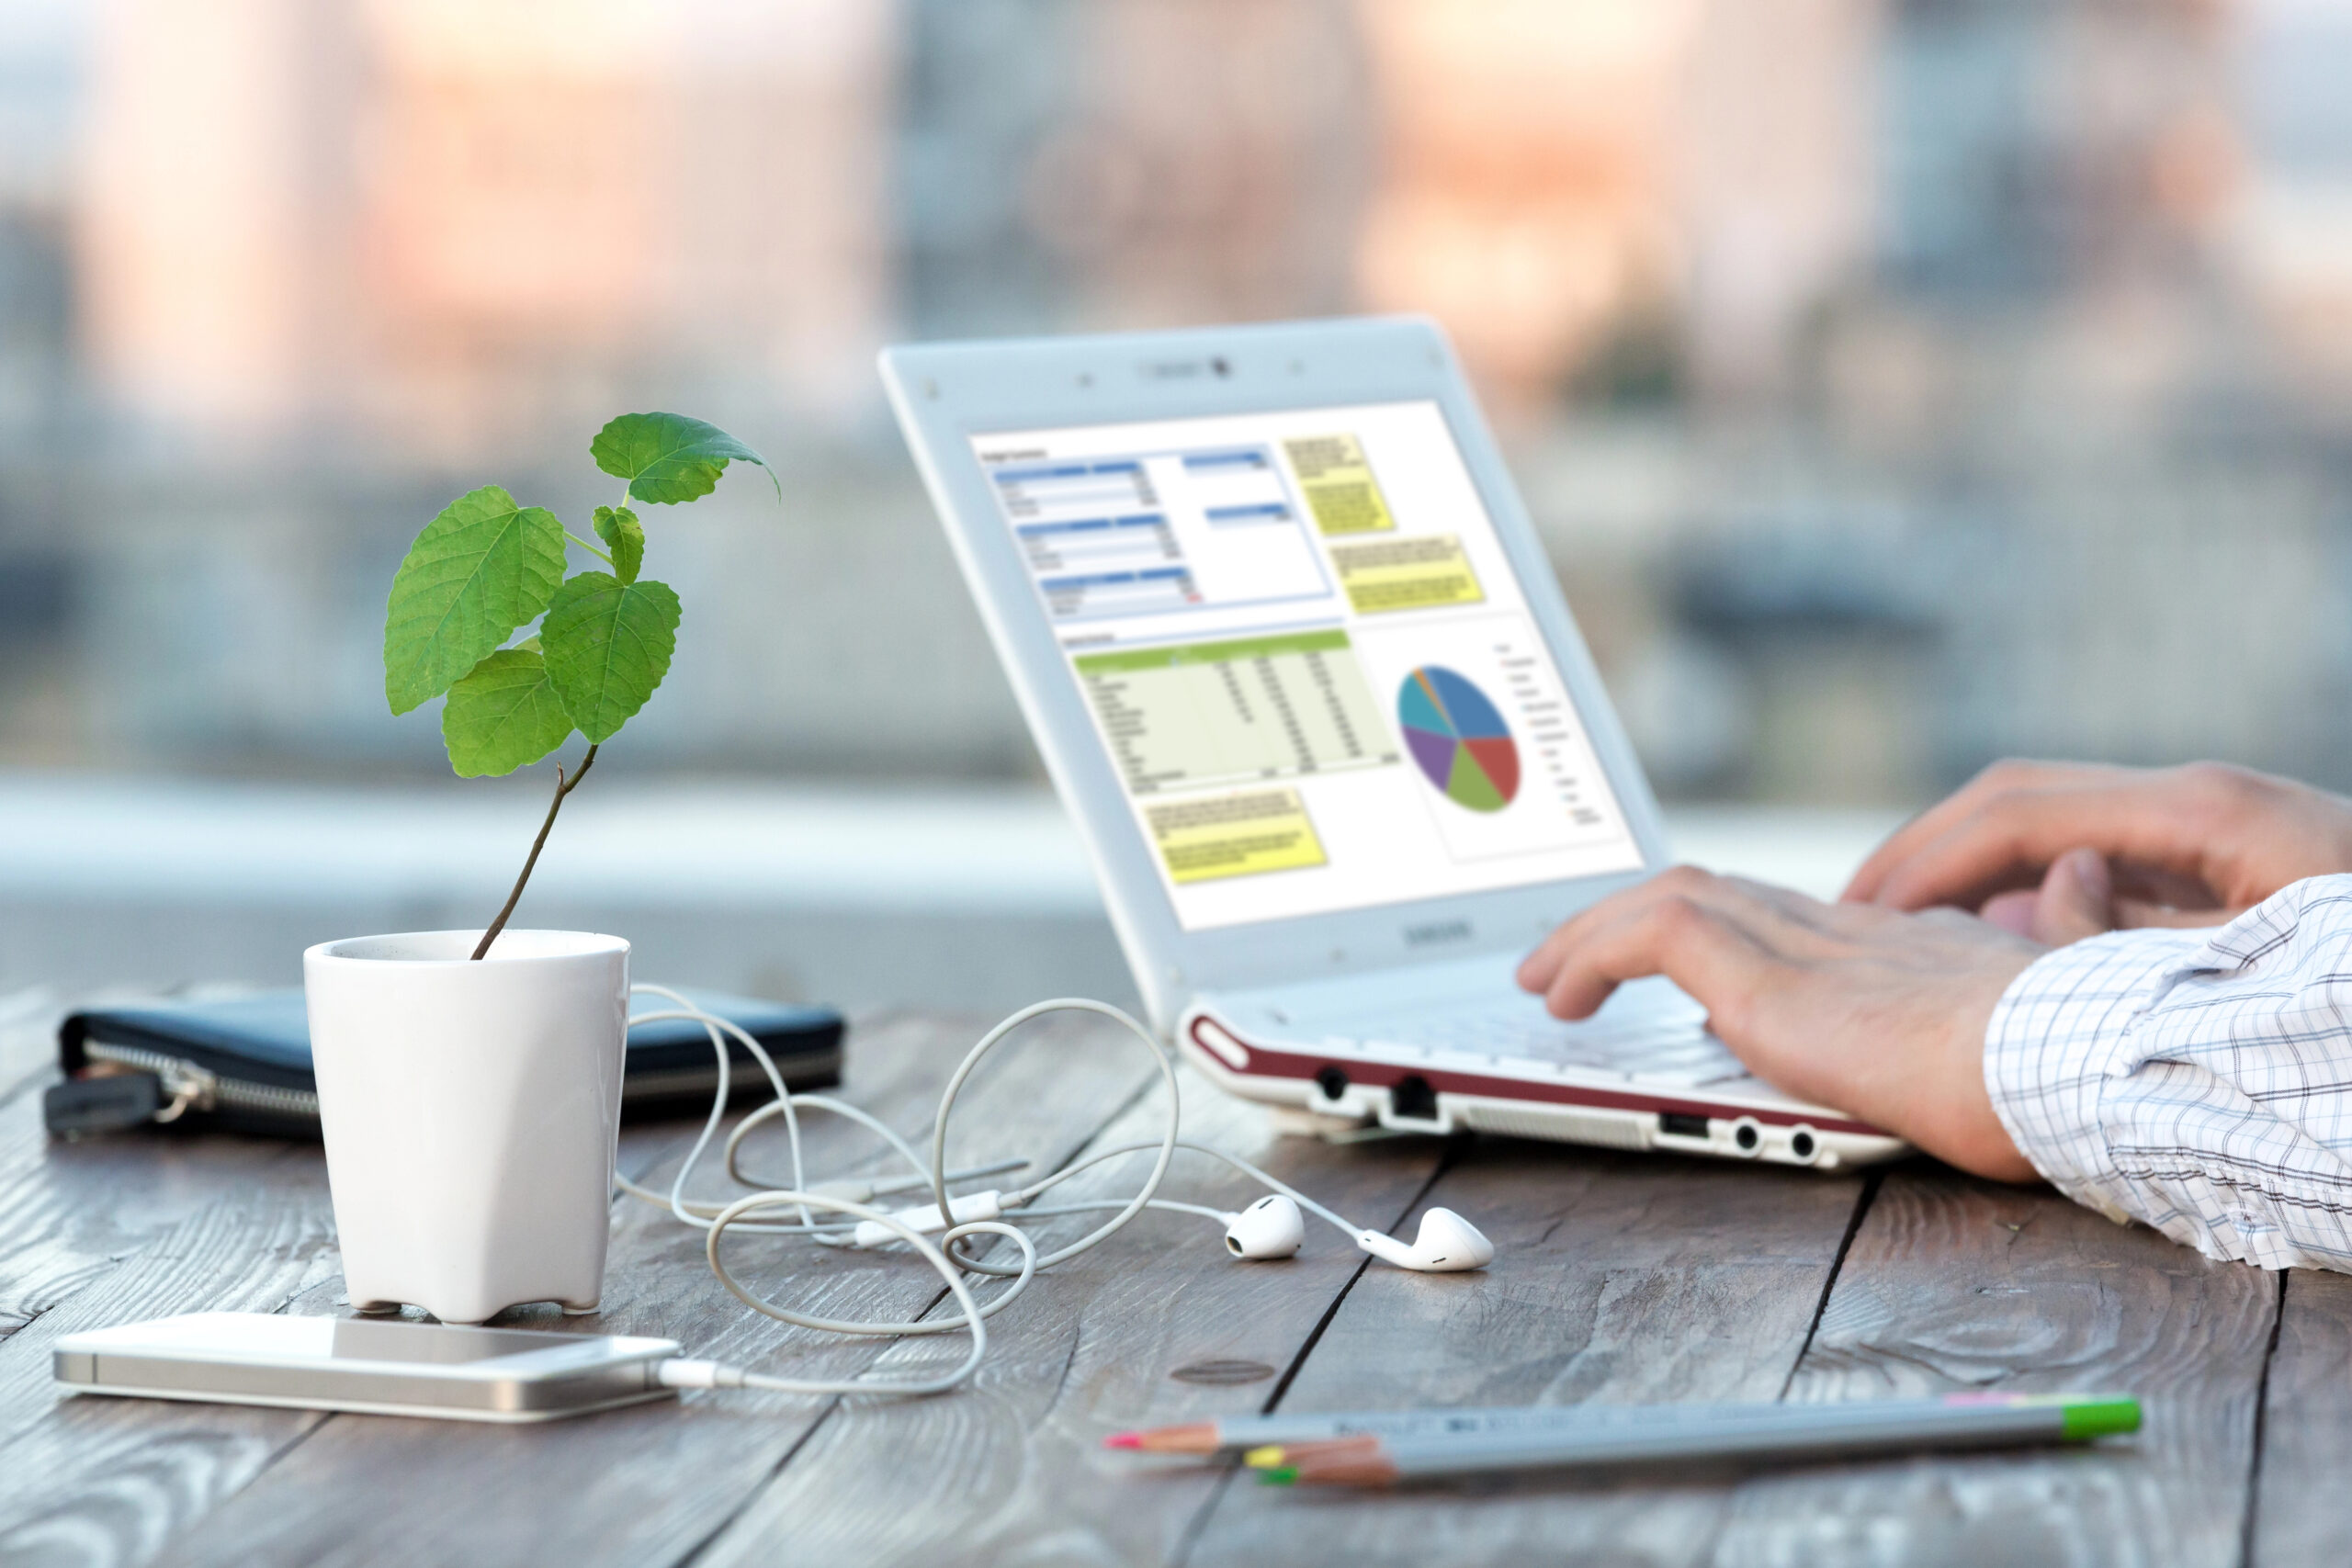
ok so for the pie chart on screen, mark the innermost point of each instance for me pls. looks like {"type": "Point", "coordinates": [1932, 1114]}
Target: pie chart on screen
{"type": "Point", "coordinates": [1458, 739]}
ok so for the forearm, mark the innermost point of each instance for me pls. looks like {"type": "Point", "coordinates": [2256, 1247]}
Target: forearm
{"type": "Point", "coordinates": [2198, 1081]}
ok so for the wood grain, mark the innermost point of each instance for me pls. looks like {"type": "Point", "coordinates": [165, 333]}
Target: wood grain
{"type": "Point", "coordinates": [1952, 1284]}
{"type": "Point", "coordinates": [71, 1213]}
{"type": "Point", "coordinates": [107, 1481]}
{"type": "Point", "coordinates": [111, 1229]}
{"type": "Point", "coordinates": [1012, 1470]}
{"type": "Point", "coordinates": [28, 1040]}
{"type": "Point", "coordinates": [2307, 1426]}
{"type": "Point", "coordinates": [1616, 1280]}
{"type": "Point", "coordinates": [97, 1480]}
{"type": "Point", "coordinates": [645, 1485]}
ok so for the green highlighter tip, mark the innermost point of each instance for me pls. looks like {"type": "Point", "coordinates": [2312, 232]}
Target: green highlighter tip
{"type": "Point", "coordinates": [2089, 1419]}
{"type": "Point", "coordinates": [1281, 1476]}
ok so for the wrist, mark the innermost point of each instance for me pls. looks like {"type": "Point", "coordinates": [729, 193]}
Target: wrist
{"type": "Point", "coordinates": [1954, 1118]}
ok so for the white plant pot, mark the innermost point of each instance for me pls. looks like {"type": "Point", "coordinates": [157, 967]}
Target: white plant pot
{"type": "Point", "coordinates": [470, 1113]}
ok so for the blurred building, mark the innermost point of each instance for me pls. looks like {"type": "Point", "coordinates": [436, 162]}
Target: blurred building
{"type": "Point", "coordinates": [438, 230]}
{"type": "Point", "coordinates": [1898, 383]}
{"type": "Point", "coordinates": [1086, 165]}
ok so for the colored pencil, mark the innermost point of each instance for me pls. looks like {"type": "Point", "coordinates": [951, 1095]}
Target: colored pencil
{"type": "Point", "coordinates": [1704, 1432]}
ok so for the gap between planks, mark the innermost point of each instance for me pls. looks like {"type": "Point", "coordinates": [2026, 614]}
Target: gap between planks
{"type": "Point", "coordinates": [1202, 1514]}
{"type": "Point", "coordinates": [832, 1404]}
{"type": "Point", "coordinates": [1862, 1201]}
{"type": "Point", "coordinates": [2251, 1520]}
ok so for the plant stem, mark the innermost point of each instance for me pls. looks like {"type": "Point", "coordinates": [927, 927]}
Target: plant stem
{"type": "Point", "coordinates": [563, 786]}
{"type": "Point", "coordinates": [592, 550]}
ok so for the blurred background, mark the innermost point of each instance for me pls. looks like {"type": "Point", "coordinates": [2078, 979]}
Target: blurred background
{"type": "Point", "coordinates": [1898, 384]}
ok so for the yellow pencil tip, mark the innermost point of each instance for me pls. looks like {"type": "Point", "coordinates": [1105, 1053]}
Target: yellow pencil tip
{"type": "Point", "coordinates": [1266, 1458]}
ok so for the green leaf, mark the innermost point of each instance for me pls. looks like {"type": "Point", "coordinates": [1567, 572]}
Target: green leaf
{"type": "Point", "coordinates": [479, 570]}
{"type": "Point", "coordinates": [624, 536]}
{"type": "Point", "coordinates": [668, 458]}
{"type": "Point", "coordinates": [608, 645]}
{"type": "Point", "coordinates": [503, 715]}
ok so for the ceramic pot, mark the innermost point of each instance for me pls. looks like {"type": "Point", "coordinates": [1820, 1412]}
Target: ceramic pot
{"type": "Point", "coordinates": [470, 1113]}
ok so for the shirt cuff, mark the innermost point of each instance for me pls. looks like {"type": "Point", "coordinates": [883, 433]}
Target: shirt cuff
{"type": "Point", "coordinates": [2061, 1035]}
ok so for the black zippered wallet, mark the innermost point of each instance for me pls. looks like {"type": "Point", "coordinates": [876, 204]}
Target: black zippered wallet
{"type": "Point", "coordinates": [244, 1064]}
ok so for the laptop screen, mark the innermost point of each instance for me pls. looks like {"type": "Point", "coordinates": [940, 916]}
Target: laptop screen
{"type": "Point", "coordinates": [1308, 659]}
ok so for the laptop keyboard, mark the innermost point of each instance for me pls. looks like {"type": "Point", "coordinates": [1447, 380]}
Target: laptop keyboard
{"type": "Point", "coordinates": [1663, 1047]}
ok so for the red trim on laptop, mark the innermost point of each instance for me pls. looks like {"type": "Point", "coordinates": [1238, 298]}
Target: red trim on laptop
{"type": "Point", "coordinates": [1271, 1064]}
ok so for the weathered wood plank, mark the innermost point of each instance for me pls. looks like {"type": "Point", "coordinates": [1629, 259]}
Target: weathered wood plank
{"type": "Point", "coordinates": [1953, 1283]}
{"type": "Point", "coordinates": [91, 1480]}
{"type": "Point", "coordinates": [107, 1481]}
{"type": "Point", "coordinates": [111, 1229]}
{"type": "Point", "coordinates": [1616, 1280]}
{"type": "Point", "coordinates": [28, 1039]}
{"type": "Point", "coordinates": [645, 1485]}
{"type": "Point", "coordinates": [2299, 1514]}
{"type": "Point", "coordinates": [1011, 1470]}
{"type": "Point", "coordinates": [71, 1213]}
{"type": "Point", "coordinates": [111, 1481]}
{"type": "Point", "coordinates": [1620, 1279]}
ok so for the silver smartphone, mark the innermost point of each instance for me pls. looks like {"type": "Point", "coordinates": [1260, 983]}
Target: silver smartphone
{"type": "Point", "coordinates": [372, 1367]}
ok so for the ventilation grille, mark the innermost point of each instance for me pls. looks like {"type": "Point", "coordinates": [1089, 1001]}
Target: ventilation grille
{"type": "Point", "coordinates": [1619, 1130]}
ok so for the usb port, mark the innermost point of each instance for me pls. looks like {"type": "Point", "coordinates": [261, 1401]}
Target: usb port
{"type": "Point", "coordinates": [1681, 1124]}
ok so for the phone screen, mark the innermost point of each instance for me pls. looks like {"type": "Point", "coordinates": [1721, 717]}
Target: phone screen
{"type": "Point", "coordinates": [275, 1338]}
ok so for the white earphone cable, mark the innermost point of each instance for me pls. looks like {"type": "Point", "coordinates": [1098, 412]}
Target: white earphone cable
{"type": "Point", "coordinates": [761, 1211]}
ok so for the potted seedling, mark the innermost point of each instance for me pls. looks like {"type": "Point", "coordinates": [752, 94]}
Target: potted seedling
{"type": "Point", "coordinates": [469, 1082]}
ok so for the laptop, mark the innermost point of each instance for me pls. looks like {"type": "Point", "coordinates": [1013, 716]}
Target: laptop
{"type": "Point", "coordinates": [1302, 674]}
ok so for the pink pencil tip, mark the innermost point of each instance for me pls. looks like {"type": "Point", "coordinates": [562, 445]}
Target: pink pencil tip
{"type": "Point", "coordinates": [1124, 1440]}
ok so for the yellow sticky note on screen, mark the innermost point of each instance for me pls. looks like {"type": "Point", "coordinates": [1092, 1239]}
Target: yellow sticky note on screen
{"type": "Point", "coordinates": [1416, 573]}
{"type": "Point", "coordinates": [1339, 488]}
{"type": "Point", "coordinates": [1234, 835]}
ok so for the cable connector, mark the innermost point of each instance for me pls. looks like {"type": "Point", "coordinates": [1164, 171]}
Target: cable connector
{"type": "Point", "coordinates": [865, 1192]}
{"type": "Point", "coordinates": [987, 1205]}
{"type": "Point", "coordinates": [685, 1371]}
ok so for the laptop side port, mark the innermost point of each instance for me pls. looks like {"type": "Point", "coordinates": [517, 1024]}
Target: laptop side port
{"type": "Point", "coordinates": [1413, 1098]}
{"type": "Point", "coordinates": [1413, 1107]}
{"type": "Point", "coordinates": [1683, 1124]}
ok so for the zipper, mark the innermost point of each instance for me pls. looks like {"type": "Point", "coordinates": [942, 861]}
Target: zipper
{"type": "Point", "coordinates": [671, 1081]}
{"type": "Point", "coordinates": [194, 1088]}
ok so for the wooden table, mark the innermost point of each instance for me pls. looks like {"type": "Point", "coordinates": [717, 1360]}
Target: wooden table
{"type": "Point", "coordinates": [1616, 1279]}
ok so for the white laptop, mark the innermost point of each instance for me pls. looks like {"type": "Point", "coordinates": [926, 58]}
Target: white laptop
{"type": "Point", "coordinates": [1302, 674]}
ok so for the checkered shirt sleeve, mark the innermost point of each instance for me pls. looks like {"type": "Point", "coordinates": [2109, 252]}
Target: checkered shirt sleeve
{"type": "Point", "coordinates": [2198, 1081]}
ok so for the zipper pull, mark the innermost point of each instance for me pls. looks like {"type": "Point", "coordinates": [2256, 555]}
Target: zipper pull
{"type": "Point", "coordinates": [103, 1102]}
{"type": "Point", "coordinates": [189, 1087]}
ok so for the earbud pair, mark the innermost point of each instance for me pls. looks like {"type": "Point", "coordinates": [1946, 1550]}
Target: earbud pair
{"type": "Point", "coordinates": [1273, 1227]}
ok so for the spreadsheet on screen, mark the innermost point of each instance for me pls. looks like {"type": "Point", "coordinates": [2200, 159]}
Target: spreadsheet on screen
{"type": "Point", "coordinates": [1308, 657]}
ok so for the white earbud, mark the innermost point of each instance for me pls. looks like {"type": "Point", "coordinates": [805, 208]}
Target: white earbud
{"type": "Point", "coordinates": [1447, 1242]}
{"type": "Point", "coordinates": [1270, 1227]}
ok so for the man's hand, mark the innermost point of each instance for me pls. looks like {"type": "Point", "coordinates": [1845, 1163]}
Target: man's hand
{"type": "Point", "coordinates": [1880, 1014]}
{"type": "Point", "coordinates": [2194, 845]}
